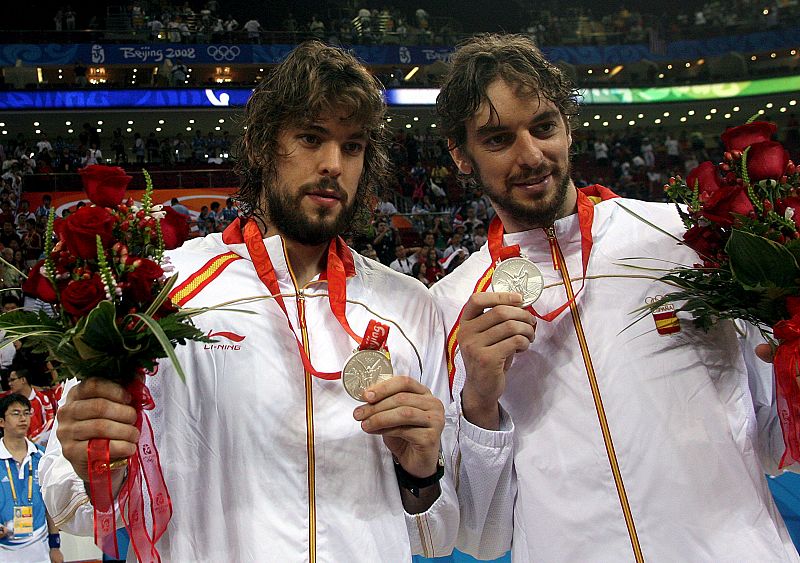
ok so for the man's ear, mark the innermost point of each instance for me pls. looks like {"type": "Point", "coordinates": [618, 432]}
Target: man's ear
{"type": "Point", "coordinates": [461, 159]}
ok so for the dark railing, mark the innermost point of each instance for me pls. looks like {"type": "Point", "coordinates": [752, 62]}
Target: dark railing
{"type": "Point", "coordinates": [162, 179]}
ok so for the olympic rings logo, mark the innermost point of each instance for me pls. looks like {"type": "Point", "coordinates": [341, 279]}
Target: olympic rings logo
{"type": "Point", "coordinates": [223, 52]}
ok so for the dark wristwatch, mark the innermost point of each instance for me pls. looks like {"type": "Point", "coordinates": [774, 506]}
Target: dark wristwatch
{"type": "Point", "coordinates": [413, 484]}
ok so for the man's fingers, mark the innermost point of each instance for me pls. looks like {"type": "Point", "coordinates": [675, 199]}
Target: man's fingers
{"type": "Point", "coordinates": [101, 429]}
{"type": "Point", "coordinates": [96, 387]}
{"type": "Point", "coordinates": [478, 302]}
{"type": "Point", "coordinates": [403, 417]}
{"type": "Point", "coordinates": [90, 409]}
{"type": "Point", "coordinates": [505, 330]}
{"type": "Point", "coordinates": [422, 402]}
{"type": "Point", "coordinates": [498, 315]}
{"type": "Point", "coordinates": [392, 386]}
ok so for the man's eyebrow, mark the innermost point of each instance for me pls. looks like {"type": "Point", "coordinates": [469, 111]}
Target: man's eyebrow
{"type": "Point", "coordinates": [491, 128]}
{"type": "Point", "coordinates": [317, 128]}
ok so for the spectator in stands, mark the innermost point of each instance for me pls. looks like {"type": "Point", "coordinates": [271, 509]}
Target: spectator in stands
{"type": "Point", "coordinates": [456, 241]}
{"type": "Point", "coordinates": [231, 27]}
{"type": "Point", "coordinates": [253, 29]}
{"type": "Point", "coordinates": [369, 252]}
{"type": "Point", "coordinates": [155, 27]}
{"type": "Point", "coordinates": [178, 74]}
{"type": "Point", "coordinates": [386, 239]}
{"type": "Point", "coordinates": [69, 18]}
{"type": "Point", "coordinates": [600, 153]}
{"type": "Point", "coordinates": [31, 242]}
{"type": "Point", "coordinates": [202, 221]}
{"type": "Point", "coordinates": [42, 408]}
{"type": "Point", "coordinates": [673, 150]}
{"type": "Point", "coordinates": [21, 457]}
{"type": "Point", "coordinates": [151, 147]}
{"type": "Point", "coordinates": [138, 148]}
{"type": "Point", "coordinates": [44, 209]}
{"type": "Point", "coordinates": [93, 156]}
{"type": "Point", "coordinates": [402, 262]}
{"type": "Point", "coordinates": [179, 207]}
{"type": "Point", "coordinates": [9, 236]}
{"type": "Point", "coordinates": [79, 70]}
{"type": "Point", "coordinates": [386, 207]}
{"type": "Point", "coordinates": [214, 214]}
{"type": "Point", "coordinates": [118, 146]}
{"type": "Point", "coordinates": [24, 213]}
{"type": "Point", "coordinates": [229, 212]}
{"type": "Point", "coordinates": [433, 269]}
{"type": "Point", "coordinates": [316, 27]}
{"type": "Point", "coordinates": [43, 145]}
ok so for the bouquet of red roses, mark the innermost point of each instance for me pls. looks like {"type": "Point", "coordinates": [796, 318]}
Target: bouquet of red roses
{"type": "Point", "coordinates": [103, 275]}
{"type": "Point", "coordinates": [105, 278]}
{"type": "Point", "coordinates": [743, 219]}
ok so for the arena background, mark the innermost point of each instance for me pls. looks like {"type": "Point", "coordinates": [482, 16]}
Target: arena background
{"type": "Point", "coordinates": [649, 72]}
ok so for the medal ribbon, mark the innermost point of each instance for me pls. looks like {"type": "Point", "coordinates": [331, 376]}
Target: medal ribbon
{"type": "Point", "coordinates": [499, 252]}
{"type": "Point", "coordinates": [376, 333]}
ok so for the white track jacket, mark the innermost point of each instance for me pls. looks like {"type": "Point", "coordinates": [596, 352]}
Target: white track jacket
{"type": "Point", "coordinates": [263, 461]}
{"type": "Point", "coordinates": [644, 446]}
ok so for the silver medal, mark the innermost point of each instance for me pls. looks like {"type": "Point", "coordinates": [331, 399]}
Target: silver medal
{"type": "Point", "coordinates": [518, 275]}
{"type": "Point", "coordinates": [363, 369]}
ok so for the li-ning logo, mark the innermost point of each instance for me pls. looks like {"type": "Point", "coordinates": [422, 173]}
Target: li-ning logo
{"type": "Point", "coordinates": [232, 338]}
{"type": "Point", "coordinates": [667, 321]}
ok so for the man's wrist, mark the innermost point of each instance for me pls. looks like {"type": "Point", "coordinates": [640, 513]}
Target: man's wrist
{"type": "Point", "coordinates": [479, 411]}
{"type": "Point", "coordinates": [413, 483]}
{"type": "Point", "coordinates": [54, 541]}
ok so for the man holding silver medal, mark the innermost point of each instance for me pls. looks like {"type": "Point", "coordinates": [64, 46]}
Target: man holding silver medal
{"type": "Point", "coordinates": [586, 436]}
{"type": "Point", "coordinates": [266, 455]}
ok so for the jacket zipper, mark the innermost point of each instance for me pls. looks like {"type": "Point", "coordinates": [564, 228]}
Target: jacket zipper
{"type": "Point", "coordinates": [312, 501]}
{"type": "Point", "coordinates": [561, 264]}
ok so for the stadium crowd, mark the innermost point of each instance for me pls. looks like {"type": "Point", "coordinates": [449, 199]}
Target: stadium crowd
{"type": "Point", "coordinates": [549, 23]}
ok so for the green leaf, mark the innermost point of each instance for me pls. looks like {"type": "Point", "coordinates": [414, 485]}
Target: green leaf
{"type": "Point", "coordinates": [758, 262]}
{"type": "Point", "coordinates": [162, 338]}
{"type": "Point", "coordinates": [97, 333]}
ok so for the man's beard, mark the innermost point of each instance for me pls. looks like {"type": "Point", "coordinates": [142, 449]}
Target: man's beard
{"type": "Point", "coordinates": [539, 213]}
{"type": "Point", "coordinates": [286, 213]}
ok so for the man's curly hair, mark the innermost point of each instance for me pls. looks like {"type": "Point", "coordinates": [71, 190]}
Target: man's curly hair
{"type": "Point", "coordinates": [314, 80]}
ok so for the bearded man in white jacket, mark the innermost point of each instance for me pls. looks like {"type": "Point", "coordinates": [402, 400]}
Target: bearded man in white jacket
{"type": "Point", "coordinates": [585, 437]}
{"type": "Point", "coordinates": [265, 455]}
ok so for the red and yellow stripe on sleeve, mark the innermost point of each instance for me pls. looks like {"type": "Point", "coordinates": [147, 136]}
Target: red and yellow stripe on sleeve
{"type": "Point", "coordinates": [195, 283]}
{"type": "Point", "coordinates": [452, 338]}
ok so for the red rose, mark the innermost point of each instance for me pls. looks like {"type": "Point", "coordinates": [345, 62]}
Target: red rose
{"type": "Point", "coordinates": [706, 177]}
{"type": "Point", "coordinates": [174, 228]}
{"type": "Point", "coordinates": [104, 185]}
{"type": "Point", "coordinates": [80, 229]}
{"type": "Point", "coordinates": [142, 279]}
{"type": "Point", "coordinates": [717, 199]}
{"type": "Point", "coordinates": [766, 160]}
{"type": "Point", "coordinates": [706, 241]}
{"type": "Point", "coordinates": [81, 296]}
{"type": "Point", "coordinates": [739, 138]}
{"type": "Point", "coordinates": [730, 199]}
{"type": "Point", "coordinates": [38, 286]}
